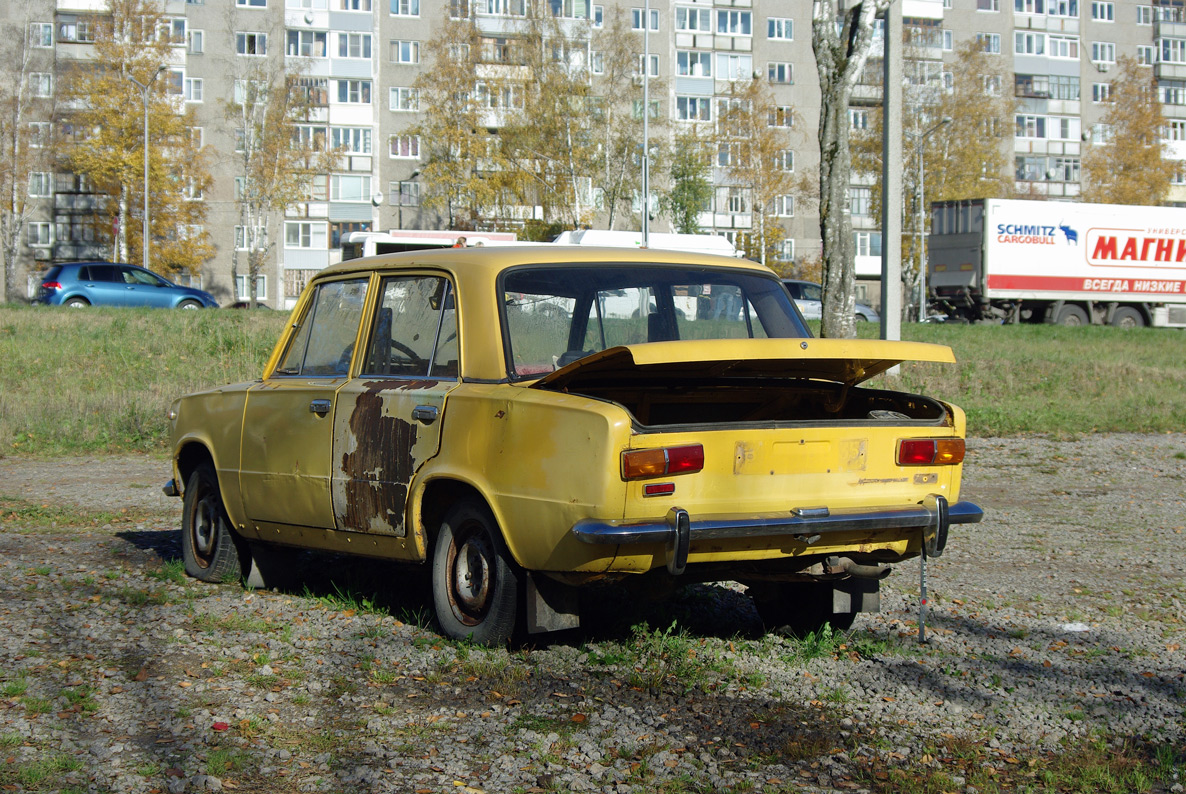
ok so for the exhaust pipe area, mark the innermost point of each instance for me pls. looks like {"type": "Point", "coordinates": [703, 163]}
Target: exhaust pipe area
{"type": "Point", "coordinates": [853, 568]}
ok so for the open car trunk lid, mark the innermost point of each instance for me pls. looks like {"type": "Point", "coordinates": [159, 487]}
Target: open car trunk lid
{"type": "Point", "coordinates": [841, 361]}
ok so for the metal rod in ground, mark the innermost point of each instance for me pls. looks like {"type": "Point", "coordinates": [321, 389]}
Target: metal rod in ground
{"type": "Point", "coordinates": [922, 595]}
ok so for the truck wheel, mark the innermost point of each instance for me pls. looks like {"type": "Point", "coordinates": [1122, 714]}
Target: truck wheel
{"type": "Point", "coordinates": [207, 540]}
{"type": "Point", "coordinates": [799, 608]}
{"type": "Point", "coordinates": [475, 583]}
{"type": "Point", "coordinates": [1071, 314]}
{"type": "Point", "coordinates": [1127, 317]}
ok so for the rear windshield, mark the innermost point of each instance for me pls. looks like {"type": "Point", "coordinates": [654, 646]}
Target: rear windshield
{"type": "Point", "coordinates": [52, 273]}
{"type": "Point", "coordinates": [553, 316]}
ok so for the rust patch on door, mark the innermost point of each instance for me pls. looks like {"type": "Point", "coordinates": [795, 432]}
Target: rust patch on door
{"type": "Point", "coordinates": [379, 469]}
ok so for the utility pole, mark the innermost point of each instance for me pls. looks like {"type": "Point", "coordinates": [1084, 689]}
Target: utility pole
{"type": "Point", "coordinates": [144, 89]}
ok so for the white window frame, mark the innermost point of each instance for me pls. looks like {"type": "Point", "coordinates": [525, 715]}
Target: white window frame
{"type": "Point", "coordinates": [261, 287]}
{"type": "Point", "coordinates": [1065, 47]}
{"type": "Point", "coordinates": [781, 72]}
{"type": "Point", "coordinates": [40, 133]}
{"type": "Point", "coordinates": [355, 42]}
{"type": "Point", "coordinates": [693, 108]}
{"type": "Point", "coordinates": [731, 22]}
{"type": "Point", "coordinates": [407, 146]}
{"type": "Point", "coordinates": [404, 8]}
{"type": "Point", "coordinates": [989, 43]}
{"type": "Point", "coordinates": [41, 35]}
{"type": "Point", "coordinates": [351, 140]}
{"type": "Point", "coordinates": [1103, 11]}
{"type": "Point", "coordinates": [636, 15]}
{"type": "Point", "coordinates": [780, 29]}
{"type": "Point", "coordinates": [41, 84]}
{"type": "Point", "coordinates": [306, 235]}
{"type": "Point", "coordinates": [357, 91]}
{"type": "Point", "coordinates": [304, 43]}
{"type": "Point", "coordinates": [785, 160]}
{"type": "Point", "coordinates": [1103, 52]}
{"type": "Point", "coordinates": [1101, 92]}
{"type": "Point", "coordinates": [194, 89]}
{"type": "Point", "coordinates": [693, 63]}
{"type": "Point", "coordinates": [784, 206]}
{"type": "Point", "coordinates": [41, 184]}
{"type": "Point", "coordinates": [398, 48]}
{"type": "Point", "coordinates": [40, 234]}
{"type": "Point", "coordinates": [734, 66]}
{"type": "Point", "coordinates": [1144, 15]}
{"type": "Point", "coordinates": [403, 99]}
{"type": "Point", "coordinates": [694, 20]}
{"type": "Point", "coordinates": [251, 44]}
{"type": "Point", "coordinates": [195, 41]}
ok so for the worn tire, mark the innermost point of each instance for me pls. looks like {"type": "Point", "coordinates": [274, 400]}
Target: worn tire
{"type": "Point", "coordinates": [475, 583]}
{"type": "Point", "coordinates": [1071, 315]}
{"type": "Point", "coordinates": [208, 544]}
{"type": "Point", "coordinates": [799, 608]}
{"type": "Point", "coordinates": [1127, 317]}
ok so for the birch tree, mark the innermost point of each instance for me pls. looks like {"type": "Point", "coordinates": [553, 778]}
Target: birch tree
{"type": "Point", "coordinates": [691, 182]}
{"type": "Point", "coordinates": [281, 154]}
{"type": "Point", "coordinates": [842, 41]}
{"type": "Point", "coordinates": [1130, 167]}
{"type": "Point", "coordinates": [133, 40]}
{"type": "Point", "coordinates": [19, 160]}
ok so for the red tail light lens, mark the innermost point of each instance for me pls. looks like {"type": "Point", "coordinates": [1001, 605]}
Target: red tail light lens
{"type": "Point", "coordinates": [51, 285]}
{"type": "Point", "coordinates": [930, 451]}
{"type": "Point", "coordinates": [639, 464]}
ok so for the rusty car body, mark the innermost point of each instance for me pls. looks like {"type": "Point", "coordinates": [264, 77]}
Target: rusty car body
{"type": "Point", "coordinates": [530, 420]}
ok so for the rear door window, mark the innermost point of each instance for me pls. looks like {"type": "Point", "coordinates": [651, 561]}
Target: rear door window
{"type": "Point", "coordinates": [324, 343]}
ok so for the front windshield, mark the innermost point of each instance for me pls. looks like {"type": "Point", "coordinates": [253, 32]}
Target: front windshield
{"type": "Point", "coordinates": [554, 315]}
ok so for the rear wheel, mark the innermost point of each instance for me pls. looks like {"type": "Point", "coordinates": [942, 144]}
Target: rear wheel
{"type": "Point", "coordinates": [207, 541]}
{"type": "Point", "coordinates": [77, 303]}
{"type": "Point", "coordinates": [1127, 317]}
{"type": "Point", "coordinates": [1071, 314]}
{"type": "Point", "coordinates": [475, 583]}
{"type": "Point", "coordinates": [799, 608]}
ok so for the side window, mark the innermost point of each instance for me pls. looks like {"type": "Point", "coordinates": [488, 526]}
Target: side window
{"type": "Point", "coordinates": [324, 343]}
{"type": "Point", "coordinates": [103, 273]}
{"type": "Point", "coordinates": [415, 330]}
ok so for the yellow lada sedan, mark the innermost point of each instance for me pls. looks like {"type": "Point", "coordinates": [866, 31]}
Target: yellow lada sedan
{"type": "Point", "coordinates": [530, 420]}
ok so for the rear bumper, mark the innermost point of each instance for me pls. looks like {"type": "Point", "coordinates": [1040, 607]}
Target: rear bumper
{"type": "Point", "coordinates": [677, 530]}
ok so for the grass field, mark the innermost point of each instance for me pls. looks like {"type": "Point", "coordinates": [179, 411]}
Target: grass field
{"type": "Point", "coordinates": [101, 379]}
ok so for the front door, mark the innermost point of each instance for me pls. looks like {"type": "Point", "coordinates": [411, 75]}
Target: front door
{"type": "Point", "coordinates": [289, 418]}
{"type": "Point", "coordinates": [389, 418]}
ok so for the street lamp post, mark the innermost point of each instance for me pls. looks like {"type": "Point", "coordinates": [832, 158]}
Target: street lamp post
{"type": "Point", "coordinates": [400, 200]}
{"type": "Point", "coordinates": [922, 254]}
{"type": "Point", "coordinates": [144, 89]}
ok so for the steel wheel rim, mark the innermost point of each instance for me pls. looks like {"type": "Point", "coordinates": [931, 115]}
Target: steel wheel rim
{"type": "Point", "coordinates": [471, 567]}
{"type": "Point", "coordinates": [202, 530]}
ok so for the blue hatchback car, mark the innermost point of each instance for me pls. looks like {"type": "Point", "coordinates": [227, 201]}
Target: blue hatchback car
{"type": "Point", "coordinates": [80, 284]}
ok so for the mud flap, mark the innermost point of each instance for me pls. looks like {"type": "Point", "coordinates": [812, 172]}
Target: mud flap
{"type": "Point", "coordinates": [550, 606]}
{"type": "Point", "coordinates": [856, 594]}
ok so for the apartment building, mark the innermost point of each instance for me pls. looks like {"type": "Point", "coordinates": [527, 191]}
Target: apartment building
{"type": "Point", "coordinates": [360, 59]}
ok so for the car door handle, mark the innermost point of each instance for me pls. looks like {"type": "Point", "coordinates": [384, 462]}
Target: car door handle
{"type": "Point", "coordinates": [319, 407]}
{"type": "Point", "coordinates": [425, 414]}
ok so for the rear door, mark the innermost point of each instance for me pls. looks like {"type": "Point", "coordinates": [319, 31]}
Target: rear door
{"type": "Point", "coordinates": [289, 418]}
{"type": "Point", "coordinates": [388, 419]}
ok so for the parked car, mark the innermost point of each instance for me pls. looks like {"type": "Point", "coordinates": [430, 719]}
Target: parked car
{"type": "Point", "coordinates": [81, 284]}
{"type": "Point", "coordinates": [511, 419]}
{"type": "Point", "coordinates": [809, 297]}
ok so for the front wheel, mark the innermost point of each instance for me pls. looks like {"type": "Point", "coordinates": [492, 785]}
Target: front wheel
{"type": "Point", "coordinates": [475, 583]}
{"type": "Point", "coordinates": [207, 541]}
{"type": "Point", "coordinates": [189, 305]}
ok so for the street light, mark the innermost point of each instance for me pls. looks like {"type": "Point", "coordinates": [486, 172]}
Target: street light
{"type": "Point", "coordinates": [922, 254]}
{"type": "Point", "coordinates": [144, 88]}
{"type": "Point", "coordinates": [400, 200]}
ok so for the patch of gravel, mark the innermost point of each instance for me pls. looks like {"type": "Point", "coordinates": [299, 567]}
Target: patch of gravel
{"type": "Point", "coordinates": [1059, 617]}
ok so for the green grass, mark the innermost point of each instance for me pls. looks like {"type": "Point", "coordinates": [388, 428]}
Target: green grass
{"type": "Point", "coordinates": [102, 379]}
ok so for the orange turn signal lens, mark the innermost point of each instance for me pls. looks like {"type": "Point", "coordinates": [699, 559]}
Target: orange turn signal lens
{"type": "Point", "coordinates": [639, 464]}
{"type": "Point", "coordinates": [930, 451]}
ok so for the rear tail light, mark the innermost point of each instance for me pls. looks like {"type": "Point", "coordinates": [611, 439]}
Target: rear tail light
{"type": "Point", "coordinates": [638, 464]}
{"type": "Point", "coordinates": [930, 451]}
{"type": "Point", "coordinates": [48, 285]}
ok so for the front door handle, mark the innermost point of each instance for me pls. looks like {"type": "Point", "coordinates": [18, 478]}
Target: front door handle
{"type": "Point", "coordinates": [425, 414]}
{"type": "Point", "coordinates": [319, 407]}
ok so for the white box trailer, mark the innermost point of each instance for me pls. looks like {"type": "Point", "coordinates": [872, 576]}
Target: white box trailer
{"type": "Point", "coordinates": [1058, 262]}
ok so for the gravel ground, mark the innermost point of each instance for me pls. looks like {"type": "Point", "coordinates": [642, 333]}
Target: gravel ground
{"type": "Point", "coordinates": [1058, 619]}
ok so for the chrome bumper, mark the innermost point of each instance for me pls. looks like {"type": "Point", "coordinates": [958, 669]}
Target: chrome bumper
{"type": "Point", "coordinates": [677, 530]}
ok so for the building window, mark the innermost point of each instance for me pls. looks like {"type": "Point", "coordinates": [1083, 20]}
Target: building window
{"type": "Point", "coordinates": [1144, 15]}
{"type": "Point", "coordinates": [860, 201]}
{"type": "Point", "coordinates": [1175, 130]}
{"type": "Point", "coordinates": [195, 42]}
{"type": "Point", "coordinates": [785, 160]}
{"type": "Point", "coordinates": [1103, 12]}
{"type": "Point", "coordinates": [867, 243]}
{"type": "Point", "coordinates": [354, 45]}
{"type": "Point", "coordinates": [40, 234]}
{"type": "Point", "coordinates": [41, 34]}
{"type": "Point", "coordinates": [41, 84]}
{"type": "Point", "coordinates": [1029, 6]}
{"type": "Point", "coordinates": [1103, 52]}
{"type": "Point", "coordinates": [989, 42]}
{"type": "Point", "coordinates": [732, 66]}
{"type": "Point", "coordinates": [295, 281]}
{"type": "Point", "coordinates": [404, 194]}
{"type": "Point", "coordinates": [404, 98]}
{"type": "Point", "coordinates": [193, 89]}
{"type": "Point", "coordinates": [1031, 126]}
{"type": "Point", "coordinates": [305, 43]}
{"type": "Point", "coordinates": [781, 116]}
{"type": "Point", "coordinates": [354, 5]}
{"type": "Point", "coordinates": [251, 43]}
{"type": "Point", "coordinates": [1145, 55]}
{"type": "Point", "coordinates": [404, 147]}
{"type": "Point", "coordinates": [858, 119]}
{"type": "Point", "coordinates": [654, 70]}
{"type": "Point", "coordinates": [780, 28]}
{"type": "Point", "coordinates": [598, 16]}
{"type": "Point", "coordinates": [786, 250]}
{"type": "Point", "coordinates": [733, 23]}
{"type": "Point", "coordinates": [252, 3]}
{"type": "Point", "coordinates": [636, 19]}
{"type": "Point", "coordinates": [784, 206]}
{"type": "Point", "coordinates": [696, 20]}
{"type": "Point", "coordinates": [1173, 50]}
{"type": "Point", "coordinates": [351, 140]}
{"type": "Point", "coordinates": [405, 8]}
{"type": "Point", "coordinates": [305, 234]}
{"type": "Point", "coordinates": [779, 72]}
{"type": "Point", "coordinates": [733, 200]}
{"type": "Point", "coordinates": [988, 5]}
{"type": "Point", "coordinates": [354, 92]}
{"type": "Point", "coordinates": [261, 287]}
{"type": "Point", "coordinates": [1101, 92]}
{"type": "Point", "coordinates": [40, 133]}
{"type": "Point", "coordinates": [1063, 8]}
{"type": "Point", "coordinates": [350, 187]}
{"type": "Point", "coordinates": [40, 184]}
{"type": "Point", "coordinates": [314, 90]}
{"type": "Point", "coordinates": [693, 108]}
{"type": "Point", "coordinates": [405, 52]}
{"type": "Point", "coordinates": [689, 63]}
{"type": "Point", "coordinates": [1064, 47]}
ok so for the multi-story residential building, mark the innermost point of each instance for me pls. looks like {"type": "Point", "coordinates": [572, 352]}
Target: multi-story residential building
{"type": "Point", "coordinates": [359, 61]}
